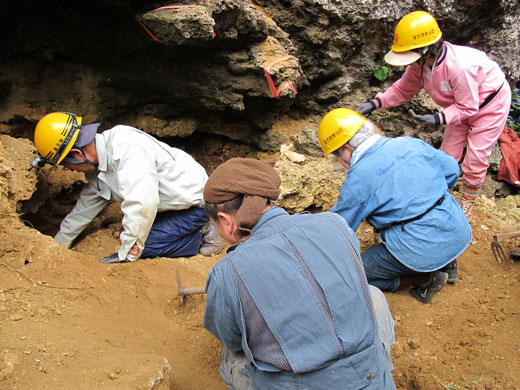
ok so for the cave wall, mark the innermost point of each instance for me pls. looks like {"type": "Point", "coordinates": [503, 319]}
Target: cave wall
{"type": "Point", "coordinates": [207, 72]}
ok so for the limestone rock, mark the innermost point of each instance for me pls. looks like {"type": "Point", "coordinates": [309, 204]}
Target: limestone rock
{"type": "Point", "coordinates": [306, 142]}
{"type": "Point", "coordinates": [271, 140]}
{"type": "Point", "coordinates": [180, 127]}
{"type": "Point", "coordinates": [515, 214]}
{"type": "Point", "coordinates": [179, 24]}
{"type": "Point", "coordinates": [17, 182]}
{"type": "Point", "coordinates": [311, 184]}
{"type": "Point", "coordinates": [495, 159]}
{"type": "Point", "coordinates": [506, 204]}
{"type": "Point", "coordinates": [492, 188]}
{"type": "Point", "coordinates": [291, 155]}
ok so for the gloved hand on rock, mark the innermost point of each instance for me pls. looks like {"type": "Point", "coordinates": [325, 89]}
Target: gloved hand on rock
{"type": "Point", "coordinates": [428, 119]}
{"type": "Point", "coordinates": [366, 108]}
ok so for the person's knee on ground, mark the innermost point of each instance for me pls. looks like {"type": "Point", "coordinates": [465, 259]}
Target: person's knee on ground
{"type": "Point", "coordinates": [233, 370]}
{"type": "Point", "coordinates": [176, 233]}
{"type": "Point", "coordinates": [425, 285]}
{"type": "Point", "coordinates": [385, 322]}
{"type": "Point", "coordinates": [211, 242]}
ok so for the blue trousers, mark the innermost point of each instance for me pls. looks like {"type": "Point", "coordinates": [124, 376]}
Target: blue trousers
{"type": "Point", "coordinates": [383, 270]}
{"type": "Point", "coordinates": [175, 233]}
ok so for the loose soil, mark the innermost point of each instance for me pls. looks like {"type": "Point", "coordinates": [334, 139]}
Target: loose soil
{"type": "Point", "coordinates": [69, 322]}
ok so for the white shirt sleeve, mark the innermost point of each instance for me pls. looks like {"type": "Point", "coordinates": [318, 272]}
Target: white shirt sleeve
{"type": "Point", "coordinates": [138, 183]}
{"type": "Point", "coordinates": [88, 206]}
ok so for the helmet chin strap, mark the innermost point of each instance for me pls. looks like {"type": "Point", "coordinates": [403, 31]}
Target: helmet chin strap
{"type": "Point", "coordinates": [339, 154]}
{"type": "Point", "coordinates": [424, 56]}
{"type": "Point", "coordinates": [72, 160]}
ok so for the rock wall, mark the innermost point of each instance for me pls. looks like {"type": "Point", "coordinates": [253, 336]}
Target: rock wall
{"type": "Point", "coordinates": [229, 67]}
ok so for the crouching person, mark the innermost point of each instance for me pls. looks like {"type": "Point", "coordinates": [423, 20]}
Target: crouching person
{"type": "Point", "coordinates": [159, 187]}
{"type": "Point", "coordinates": [290, 302]}
{"type": "Point", "coordinates": [400, 186]}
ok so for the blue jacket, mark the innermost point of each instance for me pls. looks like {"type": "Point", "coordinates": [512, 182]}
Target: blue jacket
{"type": "Point", "coordinates": [401, 178]}
{"type": "Point", "coordinates": [295, 294]}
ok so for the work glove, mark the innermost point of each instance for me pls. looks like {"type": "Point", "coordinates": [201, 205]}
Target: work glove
{"type": "Point", "coordinates": [113, 258]}
{"type": "Point", "coordinates": [366, 108]}
{"type": "Point", "coordinates": [429, 119]}
{"type": "Point", "coordinates": [132, 255]}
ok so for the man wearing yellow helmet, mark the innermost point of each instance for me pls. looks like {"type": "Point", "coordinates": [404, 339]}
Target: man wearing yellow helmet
{"type": "Point", "coordinates": [465, 82]}
{"type": "Point", "coordinates": [400, 186]}
{"type": "Point", "coordinates": [159, 187]}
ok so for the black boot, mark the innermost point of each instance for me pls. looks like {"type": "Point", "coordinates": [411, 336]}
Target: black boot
{"type": "Point", "coordinates": [426, 291]}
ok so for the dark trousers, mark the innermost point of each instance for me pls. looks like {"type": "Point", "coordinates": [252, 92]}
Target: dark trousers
{"type": "Point", "coordinates": [176, 233]}
{"type": "Point", "coordinates": [382, 269]}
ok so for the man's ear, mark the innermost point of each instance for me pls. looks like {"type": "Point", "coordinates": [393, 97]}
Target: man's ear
{"type": "Point", "coordinates": [227, 221]}
{"type": "Point", "coordinates": [75, 153]}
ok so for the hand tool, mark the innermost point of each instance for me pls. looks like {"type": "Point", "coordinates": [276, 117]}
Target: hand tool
{"type": "Point", "coordinates": [183, 292]}
{"type": "Point", "coordinates": [496, 247]}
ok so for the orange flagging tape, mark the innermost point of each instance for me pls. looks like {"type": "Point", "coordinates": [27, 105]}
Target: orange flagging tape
{"type": "Point", "coordinates": [276, 91]}
{"type": "Point", "coordinates": [149, 32]}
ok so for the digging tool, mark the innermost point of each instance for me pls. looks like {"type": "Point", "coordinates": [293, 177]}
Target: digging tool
{"type": "Point", "coordinates": [185, 291]}
{"type": "Point", "coordinates": [496, 246]}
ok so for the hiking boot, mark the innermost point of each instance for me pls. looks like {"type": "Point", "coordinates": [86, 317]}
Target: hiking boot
{"type": "Point", "coordinates": [211, 243]}
{"type": "Point", "coordinates": [426, 291]}
{"type": "Point", "coordinates": [452, 270]}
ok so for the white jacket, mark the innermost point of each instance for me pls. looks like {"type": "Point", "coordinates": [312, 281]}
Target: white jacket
{"type": "Point", "coordinates": [142, 173]}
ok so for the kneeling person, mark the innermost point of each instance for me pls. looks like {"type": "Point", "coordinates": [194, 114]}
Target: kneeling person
{"type": "Point", "coordinates": [159, 187]}
{"type": "Point", "coordinates": [400, 186]}
{"type": "Point", "coordinates": [290, 301]}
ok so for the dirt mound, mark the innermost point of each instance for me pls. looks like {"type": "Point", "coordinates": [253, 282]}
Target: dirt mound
{"type": "Point", "coordinates": [69, 322]}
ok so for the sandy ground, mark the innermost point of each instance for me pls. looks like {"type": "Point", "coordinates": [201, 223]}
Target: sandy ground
{"type": "Point", "coordinates": [67, 321]}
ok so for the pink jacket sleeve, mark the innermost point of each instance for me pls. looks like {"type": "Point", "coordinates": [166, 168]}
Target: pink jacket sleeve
{"type": "Point", "coordinates": [403, 90]}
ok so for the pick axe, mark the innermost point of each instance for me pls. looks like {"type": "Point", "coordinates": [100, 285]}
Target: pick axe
{"type": "Point", "coordinates": [183, 292]}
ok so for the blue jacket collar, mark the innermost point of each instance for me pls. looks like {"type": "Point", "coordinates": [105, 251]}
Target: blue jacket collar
{"type": "Point", "coordinates": [376, 145]}
{"type": "Point", "coordinates": [267, 216]}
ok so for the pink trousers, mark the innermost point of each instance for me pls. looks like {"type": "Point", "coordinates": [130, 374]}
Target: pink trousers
{"type": "Point", "coordinates": [479, 134]}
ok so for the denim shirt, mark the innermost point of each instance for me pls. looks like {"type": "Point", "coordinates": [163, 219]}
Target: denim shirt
{"type": "Point", "coordinates": [303, 273]}
{"type": "Point", "coordinates": [397, 179]}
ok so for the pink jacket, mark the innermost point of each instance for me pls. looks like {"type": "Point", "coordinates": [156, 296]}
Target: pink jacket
{"type": "Point", "coordinates": [461, 79]}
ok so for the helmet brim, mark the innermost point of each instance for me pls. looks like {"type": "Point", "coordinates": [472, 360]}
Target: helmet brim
{"type": "Point", "coordinates": [401, 58]}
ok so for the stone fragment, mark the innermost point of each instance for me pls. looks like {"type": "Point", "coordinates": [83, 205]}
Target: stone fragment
{"type": "Point", "coordinates": [271, 140]}
{"type": "Point", "coordinates": [306, 142]}
{"type": "Point", "coordinates": [179, 24]}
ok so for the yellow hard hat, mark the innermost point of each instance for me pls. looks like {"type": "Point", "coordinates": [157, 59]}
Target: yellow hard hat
{"type": "Point", "coordinates": [415, 30]}
{"type": "Point", "coordinates": [338, 127]}
{"type": "Point", "coordinates": [55, 134]}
